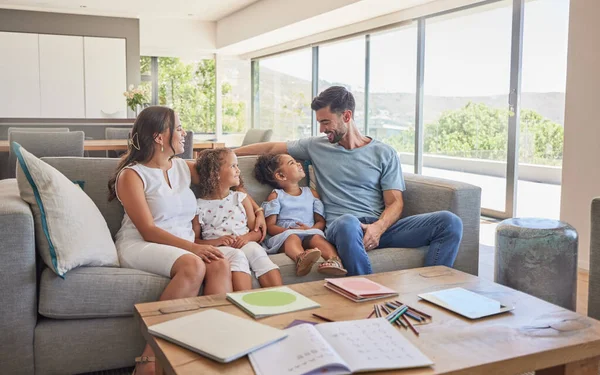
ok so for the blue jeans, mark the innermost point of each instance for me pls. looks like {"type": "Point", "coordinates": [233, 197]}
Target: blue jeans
{"type": "Point", "coordinates": [441, 230]}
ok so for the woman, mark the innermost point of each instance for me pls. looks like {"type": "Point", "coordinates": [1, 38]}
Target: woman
{"type": "Point", "coordinates": [156, 233]}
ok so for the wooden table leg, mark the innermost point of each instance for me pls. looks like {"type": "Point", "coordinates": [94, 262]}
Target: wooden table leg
{"type": "Point", "coordinates": [158, 368]}
{"type": "Point", "coordinates": [588, 366]}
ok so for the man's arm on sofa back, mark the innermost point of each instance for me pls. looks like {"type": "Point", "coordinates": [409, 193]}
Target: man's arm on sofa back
{"type": "Point", "coordinates": [17, 281]}
{"type": "Point", "coordinates": [428, 194]}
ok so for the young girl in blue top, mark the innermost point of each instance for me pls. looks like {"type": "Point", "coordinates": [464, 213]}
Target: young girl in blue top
{"type": "Point", "coordinates": [295, 218]}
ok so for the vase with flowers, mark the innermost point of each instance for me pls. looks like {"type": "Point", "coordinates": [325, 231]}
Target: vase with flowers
{"type": "Point", "coordinates": [136, 97]}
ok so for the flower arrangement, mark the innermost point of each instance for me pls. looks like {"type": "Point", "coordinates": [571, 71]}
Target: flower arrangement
{"type": "Point", "coordinates": [135, 97]}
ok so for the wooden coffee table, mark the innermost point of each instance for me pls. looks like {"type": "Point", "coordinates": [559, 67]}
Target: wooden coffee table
{"type": "Point", "coordinates": [535, 336]}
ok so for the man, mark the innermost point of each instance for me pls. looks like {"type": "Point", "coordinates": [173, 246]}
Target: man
{"type": "Point", "coordinates": [360, 182]}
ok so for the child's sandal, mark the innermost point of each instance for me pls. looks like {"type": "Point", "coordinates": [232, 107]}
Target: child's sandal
{"type": "Point", "coordinates": [332, 267]}
{"type": "Point", "coordinates": [306, 260]}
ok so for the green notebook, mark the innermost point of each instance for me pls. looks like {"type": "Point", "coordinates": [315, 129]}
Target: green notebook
{"type": "Point", "coordinates": [273, 301]}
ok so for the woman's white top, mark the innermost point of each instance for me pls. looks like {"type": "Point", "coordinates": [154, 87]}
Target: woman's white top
{"type": "Point", "coordinates": [172, 207]}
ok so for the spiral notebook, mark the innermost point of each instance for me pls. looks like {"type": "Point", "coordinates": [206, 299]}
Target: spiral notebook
{"type": "Point", "coordinates": [339, 348]}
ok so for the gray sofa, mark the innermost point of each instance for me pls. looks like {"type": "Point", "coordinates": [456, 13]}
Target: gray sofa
{"type": "Point", "coordinates": [85, 322]}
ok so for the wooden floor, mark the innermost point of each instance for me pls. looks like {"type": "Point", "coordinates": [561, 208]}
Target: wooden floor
{"type": "Point", "coordinates": [486, 264]}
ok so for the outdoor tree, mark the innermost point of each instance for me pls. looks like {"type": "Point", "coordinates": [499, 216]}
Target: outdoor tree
{"type": "Point", "coordinates": [189, 88]}
{"type": "Point", "coordinates": [479, 131]}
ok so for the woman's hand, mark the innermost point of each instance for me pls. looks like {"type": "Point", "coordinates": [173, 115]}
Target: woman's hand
{"type": "Point", "coordinates": [260, 225]}
{"type": "Point", "coordinates": [207, 252]}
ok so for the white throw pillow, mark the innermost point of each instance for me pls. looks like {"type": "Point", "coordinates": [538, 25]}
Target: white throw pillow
{"type": "Point", "coordinates": [70, 231]}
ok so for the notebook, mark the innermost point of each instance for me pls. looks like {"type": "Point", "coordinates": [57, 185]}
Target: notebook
{"type": "Point", "coordinates": [359, 289]}
{"type": "Point", "coordinates": [465, 302]}
{"type": "Point", "coordinates": [273, 301]}
{"type": "Point", "coordinates": [338, 348]}
{"type": "Point", "coordinates": [217, 335]}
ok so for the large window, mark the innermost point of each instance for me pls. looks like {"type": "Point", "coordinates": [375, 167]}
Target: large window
{"type": "Point", "coordinates": [468, 59]}
{"type": "Point", "coordinates": [343, 64]}
{"type": "Point", "coordinates": [236, 93]}
{"type": "Point", "coordinates": [465, 112]}
{"type": "Point", "coordinates": [284, 95]}
{"type": "Point", "coordinates": [189, 88]}
{"type": "Point", "coordinates": [545, 31]}
{"type": "Point", "coordinates": [393, 72]}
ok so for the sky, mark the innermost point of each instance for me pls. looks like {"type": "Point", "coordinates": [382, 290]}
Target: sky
{"type": "Point", "coordinates": [467, 53]}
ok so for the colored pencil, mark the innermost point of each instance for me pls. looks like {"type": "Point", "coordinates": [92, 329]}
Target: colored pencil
{"type": "Point", "coordinates": [418, 312]}
{"type": "Point", "coordinates": [377, 312]}
{"type": "Point", "coordinates": [387, 311]}
{"type": "Point", "coordinates": [399, 314]}
{"type": "Point", "coordinates": [412, 328]}
{"type": "Point", "coordinates": [414, 316]}
{"type": "Point", "coordinates": [371, 314]}
{"type": "Point", "coordinates": [398, 322]}
{"type": "Point", "coordinates": [323, 318]}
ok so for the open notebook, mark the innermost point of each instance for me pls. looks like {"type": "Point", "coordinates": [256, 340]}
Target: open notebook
{"type": "Point", "coordinates": [217, 335]}
{"type": "Point", "coordinates": [338, 348]}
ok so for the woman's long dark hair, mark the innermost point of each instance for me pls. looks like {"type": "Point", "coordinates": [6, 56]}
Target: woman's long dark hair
{"type": "Point", "coordinates": [149, 123]}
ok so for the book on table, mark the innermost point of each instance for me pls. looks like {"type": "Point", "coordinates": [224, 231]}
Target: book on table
{"type": "Point", "coordinates": [217, 335]}
{"type": "Point", "coordinates": [338, 348]}
{"type": "Point", "coordinates": [273, 301]}
{"type": "Point", "coordinates": [359, 289]}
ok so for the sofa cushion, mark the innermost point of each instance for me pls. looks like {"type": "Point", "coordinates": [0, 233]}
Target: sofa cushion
{"type": "Point", "coordinates": [102, 292]}
{"type": "Point", "coordinates": [94, 174]}
{"type": "Point", "coordinates": [70, 231]}
{"type": "Point", "coordinates": [97, 292]}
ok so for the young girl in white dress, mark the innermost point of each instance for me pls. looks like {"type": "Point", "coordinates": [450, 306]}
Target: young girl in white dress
{"type": "Point", "coordinates": [294, 215]}
{"type": "Point", "coordinates": [225, 217]}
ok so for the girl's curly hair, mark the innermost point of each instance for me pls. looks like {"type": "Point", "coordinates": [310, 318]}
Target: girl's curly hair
{"type": "Point", "coordinates": [208, 166]}
{"type": "Point", "coordinates": [265, 168]}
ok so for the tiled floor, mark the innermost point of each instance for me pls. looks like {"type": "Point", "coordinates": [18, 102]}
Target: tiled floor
{"type": "Point", "coordinates": [487, 242]}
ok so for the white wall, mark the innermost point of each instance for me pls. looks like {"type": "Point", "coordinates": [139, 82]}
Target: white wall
{"type": "Point", "coordinates": [185, 38]}
{"type": "Point", "coordinates": [581, 159]}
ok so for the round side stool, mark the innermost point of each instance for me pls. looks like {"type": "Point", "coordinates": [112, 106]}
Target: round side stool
{"type": "Point", "coordinates": [538, 257]}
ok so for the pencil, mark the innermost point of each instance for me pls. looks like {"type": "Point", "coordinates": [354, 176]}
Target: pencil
{"type": "Point", "coordinates": [371, 314]}
{"type": "Point", "coordinates": [410, 325]}
{"type": "Point", "coordinates": [377, 312]}
{"type": "Point", "coordinates": [418, 318]}
{"type": "Point", "coordinates": [398, 322]}
{"type": "Point", "coordinates": [419, 312]}
{"type": "Point", "coordinates": [323, 318]}
{"type": "Point", "coordinates": [399, 314]}
{"type": "Point", "coordinates": [387, 311]}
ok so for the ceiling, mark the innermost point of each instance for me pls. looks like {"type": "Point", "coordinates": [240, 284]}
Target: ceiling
{"type": "Point", "coordinates": [204, 10]}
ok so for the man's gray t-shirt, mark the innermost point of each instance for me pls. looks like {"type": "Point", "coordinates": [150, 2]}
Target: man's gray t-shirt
{"type": "Point", "coordinates": [351, 181]}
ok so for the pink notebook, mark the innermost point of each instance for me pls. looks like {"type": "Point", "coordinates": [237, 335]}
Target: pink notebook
{"type": "Point", "coordinates": [359, 289]}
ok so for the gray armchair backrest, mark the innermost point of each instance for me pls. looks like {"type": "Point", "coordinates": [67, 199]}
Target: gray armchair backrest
{"type": "Point", "coordinates": [37, 130]}
{"type": "Point", "coordinates": [257, 136]}
{"type": "Point", "coordinates": [188, 147]}
{"type": "Point", "coordinates": [116, 133]}
{"type": "Point", "coordinates": [43, 144]}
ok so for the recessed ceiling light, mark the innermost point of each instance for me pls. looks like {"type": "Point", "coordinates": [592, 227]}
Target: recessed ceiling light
{"type": "Point", "coordinates": [83, 6]}
{"type": "Point", "coordinates": [190, 14]}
